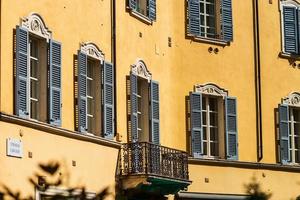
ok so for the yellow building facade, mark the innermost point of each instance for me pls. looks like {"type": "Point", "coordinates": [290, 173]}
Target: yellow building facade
{"type": "Point", "coordinates": [189, 99]}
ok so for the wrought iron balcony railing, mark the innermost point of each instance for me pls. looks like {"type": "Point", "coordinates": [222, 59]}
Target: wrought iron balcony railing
{"type": "Point", "coordinates": [144, 158]}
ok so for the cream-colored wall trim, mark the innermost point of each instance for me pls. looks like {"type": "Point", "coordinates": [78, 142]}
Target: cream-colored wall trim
{"type": "Point", "coordinates": [289, 3]}
{"type": "Point", "coordinates": [211, 89]}
{"type": "Point", "coordinates": [52, 191]}
{"type": "Point", "coordinates": [92, 50]}
{"type": "Point", "coordinates": [293, 99]}
{"type": "Point", "coordinates": [140, 69]}
{"type": "Point", "coordinates": [35, 24]}
{"type": "Point", "coordinates": [58, 131]}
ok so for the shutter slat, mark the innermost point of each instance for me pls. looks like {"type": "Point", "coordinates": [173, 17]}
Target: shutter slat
{"type": "Point", "coordinates": [82, 95]}
{"type": "Point", "coordinates": [194, 17]}
{"type": "Point", "coordinates": [231, 128]}
{"type": "Point", "coordinates": [196, 123]}
{"type": "Point", "coordinates": [155, 131]}
{"type": "Point", "coordinates": [132, 4]}
{"type": "Point", "coordinates": [22, 56]}
{"type": "Point", "coordinates": [134, 107]}
{"type": "Point", "coordinates": [55, 83]}
{"type": "Point", "coordinates": [284, 133]}
{"type": "Point", "coordinates": [108, 92]}
{"type": "Point", "coordinates": [227, 25]}
{"type": "Point", "coordinates": [152, 10]}
{"type": "Point", "coordinates": [290, 30]}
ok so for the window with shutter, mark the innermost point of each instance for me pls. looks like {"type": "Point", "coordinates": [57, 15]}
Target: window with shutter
{"type": "Point", "coordinates": [213, 124]}
{"type": "Point", "coordinates": [211, 19]}
{"type": "Point", "coordinates": [143, 8]}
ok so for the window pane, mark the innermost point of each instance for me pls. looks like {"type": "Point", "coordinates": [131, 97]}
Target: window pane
{"type": "Point", "coordinates": [34, 48]}
{"type": "Point", "coordinates": [213, 105]}
{"type": "Point", "coordinates": [204, 120]}
{"type": "Point", "coordinates": [90, 70]}
{"type": "Point", "coordinates": [210, 9]}
{"type": "Point", "coordinates": [213, 134]}
{"type": "Point", "coordinates": [213, 119]}
{"type": "Point", "coordinates": [33, 109]}
{"type": "Point", "coordinates": [33, 68]}
{"type": "Point", "coordinates": [296, 128]}
{"type": "Point", "coordinates": [204, 133]}
{"type": "Point", "coordinates": [90, 106]}
{"type": "Point", "coordinates": [297, 156]}
{"type": "Point", "coordinates": [214, 149]}
{"type": "Point", "coordinates": [34, 89]}
{"type": "Point", "coordinates": [202, 20]}
{"type": "Point", "coordinates": [297, 143]}
{"type": "Point", "coordinates": [90, 121]}
{"type": "Point", "coordinates": [201, 7]}
{"type": "Point", "coordinates": [90, 89]}
{"type": "Point", "coordinates": [205, 148]}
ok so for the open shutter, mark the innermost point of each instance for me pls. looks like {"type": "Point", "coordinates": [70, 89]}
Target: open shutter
{"type": "Point", "coordinates": [108, 92]}
{"type": "Point", "coordinates": [196, 123]}
{"type": "Point", "coordinates": [82, 99]}
{"type": "Point", "coordinates": [22, 55]}
{"type": "Point", "coordinates": [290, 30]}
{"type": "Point", "coordinates": [152, 10]}
{"type": "Point", "coordinates": [55, 83]}
{"type": "Point", "coordinates": [231, 128]}
{"type": "Point", "coordinates": [154, 112]}
{"type": "Point", "coordinates": [134, 107]}
{"type": "Point", "coordinates": [132, 4]}
{"type": "Point", "coordinates": [227, 27]}
{"type": "Point", "coordinates": [194, 17]}
{"type": "Point", "coordinates": [284, 133]}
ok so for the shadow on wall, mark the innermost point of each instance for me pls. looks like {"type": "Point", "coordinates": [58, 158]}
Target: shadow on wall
{"type": "Point", "coordinates": [255, 192]}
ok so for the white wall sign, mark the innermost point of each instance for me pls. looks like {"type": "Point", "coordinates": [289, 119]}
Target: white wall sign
{"type": "Point", "coordinates": [14, 148]}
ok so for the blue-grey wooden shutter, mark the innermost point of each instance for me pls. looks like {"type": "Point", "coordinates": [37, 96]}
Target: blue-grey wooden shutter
{"type": "Point", "coordinates": [134, 107]}
{"type": "Point", "coordinates": [227, 26]}
{"type": "Point", "coordinates": [82, 94]}
{"type": "Point", "coordinates": [231, 128]}
{"type": "Point", "coordinates": [154, 97]}
{"type": "Point", "coordinates": [196, 123]}
{"type": "Point", "coordinates": [284, 133]}
{"type": "Point", "coordinates": [152, 10]}
{"type": "Point", "coordinates": [108, 92]}
{"type": "Point", "coordinates": [132, 4]}
{"type": "Point", "coordinates": [194, 17]}
{"type": "Point", "coordinates": [290, 30]}
{"type": "Point", "coordinates": [55, 83]}
{"type": "Point", "coordinates": [22, 57]}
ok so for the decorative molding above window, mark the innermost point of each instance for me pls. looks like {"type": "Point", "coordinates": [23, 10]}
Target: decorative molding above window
{"type": "Point", "coordinates": [211, 89]}
{"type": "Point", "coordinates": [140, 70]}
{"type": "Point", "coordinates": [293, 99]}
{"type": "Point", "coordinates": [36, 25]}
{"type": "Point", "coordinates": [290, 2]}
{"type": "Point", "coordinates": [91, 50]}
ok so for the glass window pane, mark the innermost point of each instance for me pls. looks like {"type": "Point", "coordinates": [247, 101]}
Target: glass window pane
{"type": "Point", "coordinates": [213, 134]}
{"type": "Point", "coordinates": [296, 114]}
{"type": "Point", "coordinates": [296, 129]}
{"type": "Point", "coordinates": [90, 106]}
{"type": "Point", "coordinates": [297, 156]}
{"type": "Point", "coordinates": [205, 148]}
{"type": "Point", "coordinates": [33, 68]}
{"type": "Point", "coordinates": [90, 69]}
{"type": "Point", "coordinates": [33, 109]}
{"type": "Point", "coordinates": [34, 48]}
{"type": "Point", "coordinates": [214, 149]}
{"type": "Point", "coordinates": [213, 104]}
{"type": "Point", "coordinates": [296, 142]}
{"type": "Point", "coordinates": [204, 133]}
{"type": "Point", "coordinates": [90, 89]}
{"type": "Point", "coordinates": [202, 20]}
{"type": "Point", "coordinates": [204, 120]}
{"type": "Point", "coordinates": [213, 119]}
{"type": "Point", "coordinates": [201, 7]}
{"type": "Point", "coordinates": [34, 89]}
{"type": "Point", "coordinates": [210, 9]}
{"type": "Point", "coordinates": [90, 123]}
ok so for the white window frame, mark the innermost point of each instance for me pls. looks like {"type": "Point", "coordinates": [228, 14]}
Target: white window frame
{"type": "Point", "coordinates": [206, 15]}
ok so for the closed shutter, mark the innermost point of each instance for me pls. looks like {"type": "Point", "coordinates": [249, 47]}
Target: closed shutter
{"type": "Point", "coordinates": [227, 27]}
{"type": "Point", "coordinates": [22, 56]}
{"type": "Point", "coordinates": [108, 92]}
{"type": "Point", "coordinates": [194, 17]}
{"type": "Point", "coordinates": [196, 123]}
{"type": "Point", "coordinates": [134, 107]}
{"type": "Point", "coordinates": [290, 30]}
{"type": "Point", "coordinates": [152, 10]}
{"type": "Point", "coordinates": [82, 96]}
{"type": "Point", "coordinates": [55, 83]}
{"type": "Point", "coordinates": [231, 128]}
{"type": "Point", "coordinates": [284, 133]}
{"type": "Point", "coordinates": [154, 112]}
{"type": "Point", "coordinates": [132, 4]}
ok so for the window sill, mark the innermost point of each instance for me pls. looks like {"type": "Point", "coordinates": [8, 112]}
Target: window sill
{"type": "Point", "coordinates": [289, 56]}
{"type": "Point", "coordinates": [57, 130]}
{"type": "Point", "coordinates": [208, 40]}
{"type": "Point", "coordinates": [140, 16]}
{"type": "Point", "coordinates": [244, 165]}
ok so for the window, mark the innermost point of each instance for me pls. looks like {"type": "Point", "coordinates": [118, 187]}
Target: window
{"type": "Point", "coordinates": [290, 26]}
{"type": "Point", "coordinates": [289, 129]}
{"type": "Point", "coordinates": [211, 19]}
{"type": "Point", "coordinates": [95, 100]}
{"type": "Point", "coordinates": [144, 105]}
{"type": "Point", "coordinates": [143, 8]}
{"type": "Point", "coordinates": [213, 123]}
{"type": "Point", "coordinates": [37, 94]}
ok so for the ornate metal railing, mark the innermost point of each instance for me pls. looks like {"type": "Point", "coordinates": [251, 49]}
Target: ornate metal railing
{"type": "Point", "coordinates": [144, 158]}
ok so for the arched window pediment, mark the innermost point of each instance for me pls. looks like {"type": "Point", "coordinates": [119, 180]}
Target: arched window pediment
{"type": "Point", "coordinates": [211, 89]}
{"type": "Point", "coordinates": [92, 50]}
{"type": "Point", "coordinates": [140, 69]}
{"type": "Point", "coordinates": [36, 25]}
{"type": "Point", "coordinates": [293, 99]}
{"type": "Point", "coordinates": [290, 2]}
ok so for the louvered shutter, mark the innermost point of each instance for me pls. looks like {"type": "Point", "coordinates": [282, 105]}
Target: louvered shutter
{"type": "Point", "coordinates": [227, 27]}
{"type": "Point", "coordinates": [134, 107]}
{"type": "Point", "coordinates": [152, 10]}
{"type": "Point", "coordinates": [108, 92]}
{"type": "Point", "coordinates": [132, 4]}
{"type": "Point", "coordinates": [284, 133]}
{"type": "Point", "coordinates": [231, 128]}
{"type": "Point", "coordinates": [196, 123]}
{"type": "Point", "coordinates": [194, 17]}
{"type": "Point", "coordinates": [154, 112]}
{"type": "Point", "coordinates": [22, 57]}
{"type": "Point", "coordinates": [290, 30]}
{"type": "Point", "coordinates": [55, 83]}
{"type": "Point", "coordinates": [82, 94]}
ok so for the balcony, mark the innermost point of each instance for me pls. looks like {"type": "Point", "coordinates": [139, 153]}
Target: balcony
{"type": "Point", "coordinates": [152, 168]}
